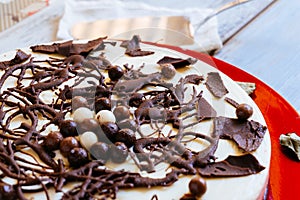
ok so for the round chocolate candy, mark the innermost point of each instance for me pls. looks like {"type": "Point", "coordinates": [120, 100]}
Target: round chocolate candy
{"type": "Point", "coordinates": [197, 186]}
{"type": "Point", "coordinates": [119, 152]}
{"type": "Point", "coordinates": [115, 73]}
{"type": "Point", "coordinates": [244, 111]}
{"type": "Point", "coordinates": [77, 157]}
{"type": "Point", "coordinates": [68, 128]}
{"type": "Point", "coordinates": [89, 124]}
{"type": "Point", "coordinates": [79, 101]}
{"type": "Point", "coordinates": [67, 144]}
{"type": "Point", "coordinates": [104, 116]}
{"type": "Point", "coordinates": [127, 136]}
{"type": "Point", "coordinates": [100, 151]}
{"type": "Point", "coordinates": [87, 139]}
{"type": "Point", "coordinates": [168, 71]}
{"type": "Point", "coordinates": [121, 113]}
{"type": "Point", "coordinates": [110, 129]}
{"type": "Point", "coordinates": [102, 103]}
{"type": "Point", "coordinates": [82, 113]}
{"type": "Point", "coordinates": [52, 141]}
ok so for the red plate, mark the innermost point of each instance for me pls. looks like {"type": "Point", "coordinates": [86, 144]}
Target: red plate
{"type": "Point", "coordinates": [280, 116]}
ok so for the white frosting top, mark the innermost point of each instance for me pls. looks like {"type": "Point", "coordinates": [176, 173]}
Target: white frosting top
{"type": "Point", "coordinates": [247, 187]}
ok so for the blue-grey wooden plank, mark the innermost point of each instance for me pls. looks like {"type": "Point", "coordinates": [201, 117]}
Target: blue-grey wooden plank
{"type": "Point", "coordinates": [269, 48]}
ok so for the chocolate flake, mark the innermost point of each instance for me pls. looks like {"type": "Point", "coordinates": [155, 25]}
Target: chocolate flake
{"type": "Point", "coordinates": [133, 47]}
{"type": "Point", "coordinates": [205, 110]}
{"type": "Point", "coordinates": [194, 79]}
{"type": "Point", "coordinates": [232, 166]}
{"type": "Point", "coordinates": [231, 102]}
{"type": "Point", "coordinates": [68, 48]}
{"type": "Point", "coordinates": [20, 57]}
{"type": "Point", "coordinates": [248, 135]}
{"type": "Point", "coordinates": [177, 62]}
{"type": "Point", "coordinates": [215, 84]}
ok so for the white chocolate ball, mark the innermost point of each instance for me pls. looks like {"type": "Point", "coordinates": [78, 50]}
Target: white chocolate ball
{"type": "Point", "coordinates": [87, 139]}
{"type": "Point", "coordinates": [82, 113]}
{"type": "Point", "coordinates": [105, 116]}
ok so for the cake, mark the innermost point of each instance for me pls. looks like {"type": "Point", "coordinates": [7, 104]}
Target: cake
{"type": "Point", "coordinates": [110, 119]}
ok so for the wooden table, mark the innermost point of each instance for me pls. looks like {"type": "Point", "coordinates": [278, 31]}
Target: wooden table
{"type": "Point", "coordinates": [269, 49]}
{"type": "Point", "coordinates": [260, 37]}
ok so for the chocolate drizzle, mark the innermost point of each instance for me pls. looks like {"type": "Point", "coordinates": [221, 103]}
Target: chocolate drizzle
{"type": "Point", "coordinates": [164, 105]}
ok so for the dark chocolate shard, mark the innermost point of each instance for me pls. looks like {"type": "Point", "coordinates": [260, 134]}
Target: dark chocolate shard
{"type": "Point", "coordinates": [177, 62]}
{"type": "Point", "coordinates": [205, 110]}
{"type": "Point", "coordinates": [133, 47]}
{"type": "Point", "coordinates": [194, 79]}
{"type": "Point", "coordinates": [233, 166]}
{"type": "Point", "coordinates": [69, 48]}
{"type": "Point", "coordinates": [248, 135]}
{"type": "Point", "coordinates": [231, 102]}
{"type": "Point", "coordinates": [133, 85]}
{"type": "Point", "coordinates": [215, 84]}
{"type": "Point", "coordinates": [20, 57]}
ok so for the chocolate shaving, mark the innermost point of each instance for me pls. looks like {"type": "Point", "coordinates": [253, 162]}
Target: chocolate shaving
{"type": "Point", "coordinates": [194, 79]}
{"type": "Point", "coordinates": [231, 102]}
{"type": "Point", "coordinates": [233, 166]}
{"type": "Point", "coordinates": [248, 135]}
{"type": "Point", "coordinates": [68, 48]}
{"type": "Point", "coordinates": [205, 110]}
{"type": "Point", "coordinates": [133, 47]}
{"type": "Point", "coordinates": [177, 62]}
{"type": "Point", "coordinates": [215, 84]}
{"type": "Point", "coordinates": [19, 58]}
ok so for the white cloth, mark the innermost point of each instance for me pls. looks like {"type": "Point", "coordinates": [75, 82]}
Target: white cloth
{"type": "Point", "coordinates": [206, 38]}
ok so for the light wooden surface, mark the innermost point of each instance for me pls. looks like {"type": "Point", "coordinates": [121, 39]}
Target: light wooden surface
{"type": "Point", "coordinates": [269, 48]}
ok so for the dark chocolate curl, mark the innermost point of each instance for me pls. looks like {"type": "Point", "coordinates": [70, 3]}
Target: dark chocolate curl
{"type": "Point", "coordinates": [232, 166]}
